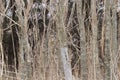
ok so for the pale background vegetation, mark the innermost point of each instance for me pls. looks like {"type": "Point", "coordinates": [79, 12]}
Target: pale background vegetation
{"type": "Point", "coordinates": [59, 40]}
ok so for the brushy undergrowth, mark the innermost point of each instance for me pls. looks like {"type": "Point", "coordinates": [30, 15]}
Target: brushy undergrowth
{"type": "Point", "coordinates": [59, 40]}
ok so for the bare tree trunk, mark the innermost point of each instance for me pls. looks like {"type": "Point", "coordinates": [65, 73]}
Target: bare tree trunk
{"type": "Point", "coordinates": [1, 54]}
{"type": "Point", "coordinates": [114, 42]}
{"type": "Point", "coordinates": [1, 51]}
{"type": "Point", "coordinates": [118, 23]}
{"type": "Point", "coordinates": [25, 49]}
{"type": "Point", "coordinates": [61, 28]}
{"type": "Point", "coordinates": [94, 44]}
{"type": "Point", "coordinates": [1, 46]}
{"type": "Point", "coordinates": [108, 27]}
{"type": "Point", "coordinates": [84, 56]}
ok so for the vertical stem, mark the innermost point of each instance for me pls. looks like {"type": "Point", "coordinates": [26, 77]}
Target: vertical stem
{"type": "Point", "coordinates": [114, 43]}
{"type": "Point", "coordinates": [108, 27]}
{"type": "Point", "coordinates": [84, 56]}
{"type": "Point", "coordinates": [95, 63]}
{"type": "Point", "coordinates": [25, 49]}
{"type": "Point", "coordinates": [1, 38]}
{"type": "Point", "coordinates": [62, 8]}
{"type": "Point", "coordinates": [1, 53]}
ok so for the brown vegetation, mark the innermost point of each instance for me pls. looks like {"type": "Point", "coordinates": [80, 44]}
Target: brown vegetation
{"type": "Point", "coordinates": [59, 40]}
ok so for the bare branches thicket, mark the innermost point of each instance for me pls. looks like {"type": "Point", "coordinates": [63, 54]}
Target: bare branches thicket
{"type": "Point", "coordinates": [59, 40]}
